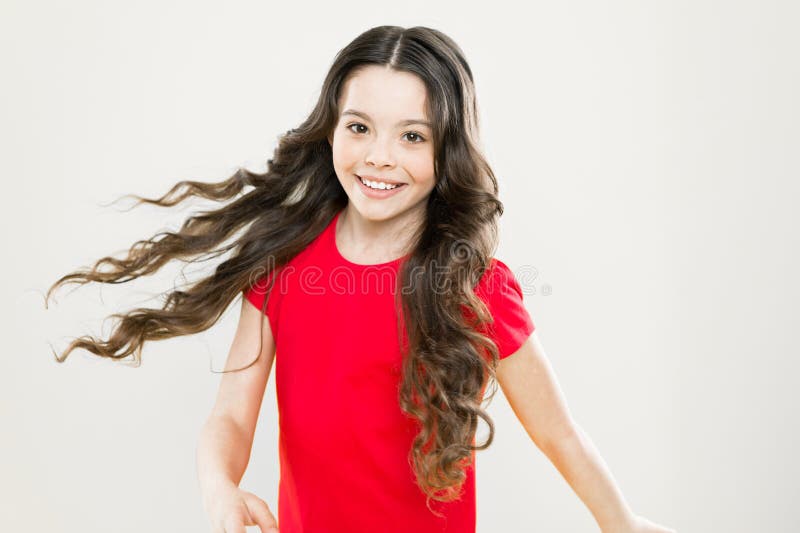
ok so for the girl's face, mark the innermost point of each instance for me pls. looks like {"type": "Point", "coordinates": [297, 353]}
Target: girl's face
{"type": "Point", "coordinates": [382, 135]}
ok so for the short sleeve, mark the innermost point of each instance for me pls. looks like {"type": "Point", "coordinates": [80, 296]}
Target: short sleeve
{"type": "Point", "coordinates": [257, 292]}
{"type": "Point", "coordinates": [502, 294]}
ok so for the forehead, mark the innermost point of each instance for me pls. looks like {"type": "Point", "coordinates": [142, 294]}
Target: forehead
{"type": "Point", "coordinates": [386, 95]}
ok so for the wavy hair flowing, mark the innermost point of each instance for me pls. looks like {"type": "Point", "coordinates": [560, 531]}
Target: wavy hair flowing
{"type": "Point", "coordinates": [447, 360]}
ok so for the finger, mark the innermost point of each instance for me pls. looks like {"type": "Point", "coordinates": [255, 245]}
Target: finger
{"type": "Point", "coordinates": [261, 515]}
{"type": "Point", "coordinates": [234, 524]}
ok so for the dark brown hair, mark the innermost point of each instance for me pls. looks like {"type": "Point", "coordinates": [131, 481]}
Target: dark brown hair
{"type": "Point", "coordinates": [446, 361]}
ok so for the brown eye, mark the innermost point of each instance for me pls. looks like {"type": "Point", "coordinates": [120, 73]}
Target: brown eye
{"type": "Point", "coordinates": [350, 126]}
{"type": "Point", "coordinates": [417, 136]}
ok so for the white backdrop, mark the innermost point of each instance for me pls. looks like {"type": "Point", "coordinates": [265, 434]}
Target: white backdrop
{"type": "Point", "coordinates": [647, 157]}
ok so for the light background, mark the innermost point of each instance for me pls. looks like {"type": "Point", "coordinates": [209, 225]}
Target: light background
{"type": "Point", "coordinates": [648, 159]}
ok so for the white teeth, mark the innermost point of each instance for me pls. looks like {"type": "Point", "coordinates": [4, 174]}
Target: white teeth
{"type": "Point", "coordinates": [377, 185]}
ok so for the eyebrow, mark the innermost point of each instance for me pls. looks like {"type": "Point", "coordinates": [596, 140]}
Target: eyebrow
{"type": "Point", "coordinates": [407, 122]}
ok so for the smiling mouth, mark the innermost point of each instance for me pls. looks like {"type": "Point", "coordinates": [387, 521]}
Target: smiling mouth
{"type": "Point", "coordinates": [384, 188]}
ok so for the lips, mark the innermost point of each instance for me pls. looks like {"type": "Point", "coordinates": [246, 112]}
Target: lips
{"type": "Point", "coordinates": [380, 179]}
{"type": "Point", "coordinates": [377, 194]}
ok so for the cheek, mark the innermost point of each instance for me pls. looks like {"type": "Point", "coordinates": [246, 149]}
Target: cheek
{"type": "Point", "coordinates": [421, 167]}
{"type": "Point", "coordinates": [345, 153]}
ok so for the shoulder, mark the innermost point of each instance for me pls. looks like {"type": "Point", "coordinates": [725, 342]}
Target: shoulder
{"type": "Point", "coordinates": [511, 322]}
{"type": "Point", "coordinates": [497, 280]}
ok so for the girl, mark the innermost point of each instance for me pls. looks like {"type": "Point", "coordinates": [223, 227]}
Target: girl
{"type": "Point", "coordinates": [364, 255]}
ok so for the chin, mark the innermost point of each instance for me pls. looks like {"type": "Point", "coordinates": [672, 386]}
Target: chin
{"type": "Point", "coordinates": [375, 213]}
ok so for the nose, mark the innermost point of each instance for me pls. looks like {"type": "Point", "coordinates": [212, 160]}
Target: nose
{"type": "Point", "coordinates": [379, 153]}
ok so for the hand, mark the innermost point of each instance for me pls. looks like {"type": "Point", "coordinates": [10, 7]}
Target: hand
{"type": "Point", "coordinates": [233, 508]}
{"type": "Point", "coordinates": [639, 524]}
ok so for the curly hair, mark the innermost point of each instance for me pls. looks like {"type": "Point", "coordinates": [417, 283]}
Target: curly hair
{"type": "Point", "coordinates": [266, 219]}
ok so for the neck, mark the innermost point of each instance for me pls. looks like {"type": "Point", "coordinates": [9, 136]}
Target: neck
{"type": "Point", "coordinates": [377, 241]}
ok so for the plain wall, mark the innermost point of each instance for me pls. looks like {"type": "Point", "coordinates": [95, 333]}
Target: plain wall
{"type": "Point", "coordinates": [647, 154]}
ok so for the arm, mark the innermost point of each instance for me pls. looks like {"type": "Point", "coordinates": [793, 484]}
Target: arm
{"type": "Point", "coordinates": [532, 390]}
{"type": "Point", "coordinates": [226, 439]}
{"type": "Point", "coordinates": [223, 451]}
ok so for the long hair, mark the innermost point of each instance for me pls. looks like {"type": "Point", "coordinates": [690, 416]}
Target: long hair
{"type": "Point", "coordinates": [266, 219]}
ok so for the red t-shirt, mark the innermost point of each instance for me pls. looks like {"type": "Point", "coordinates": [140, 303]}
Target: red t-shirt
{"type": "Point", "coordinates": [344, 441]}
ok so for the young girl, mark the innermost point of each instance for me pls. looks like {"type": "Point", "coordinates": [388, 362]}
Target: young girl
{"type": "Point", "coordinates": [365, 257]}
